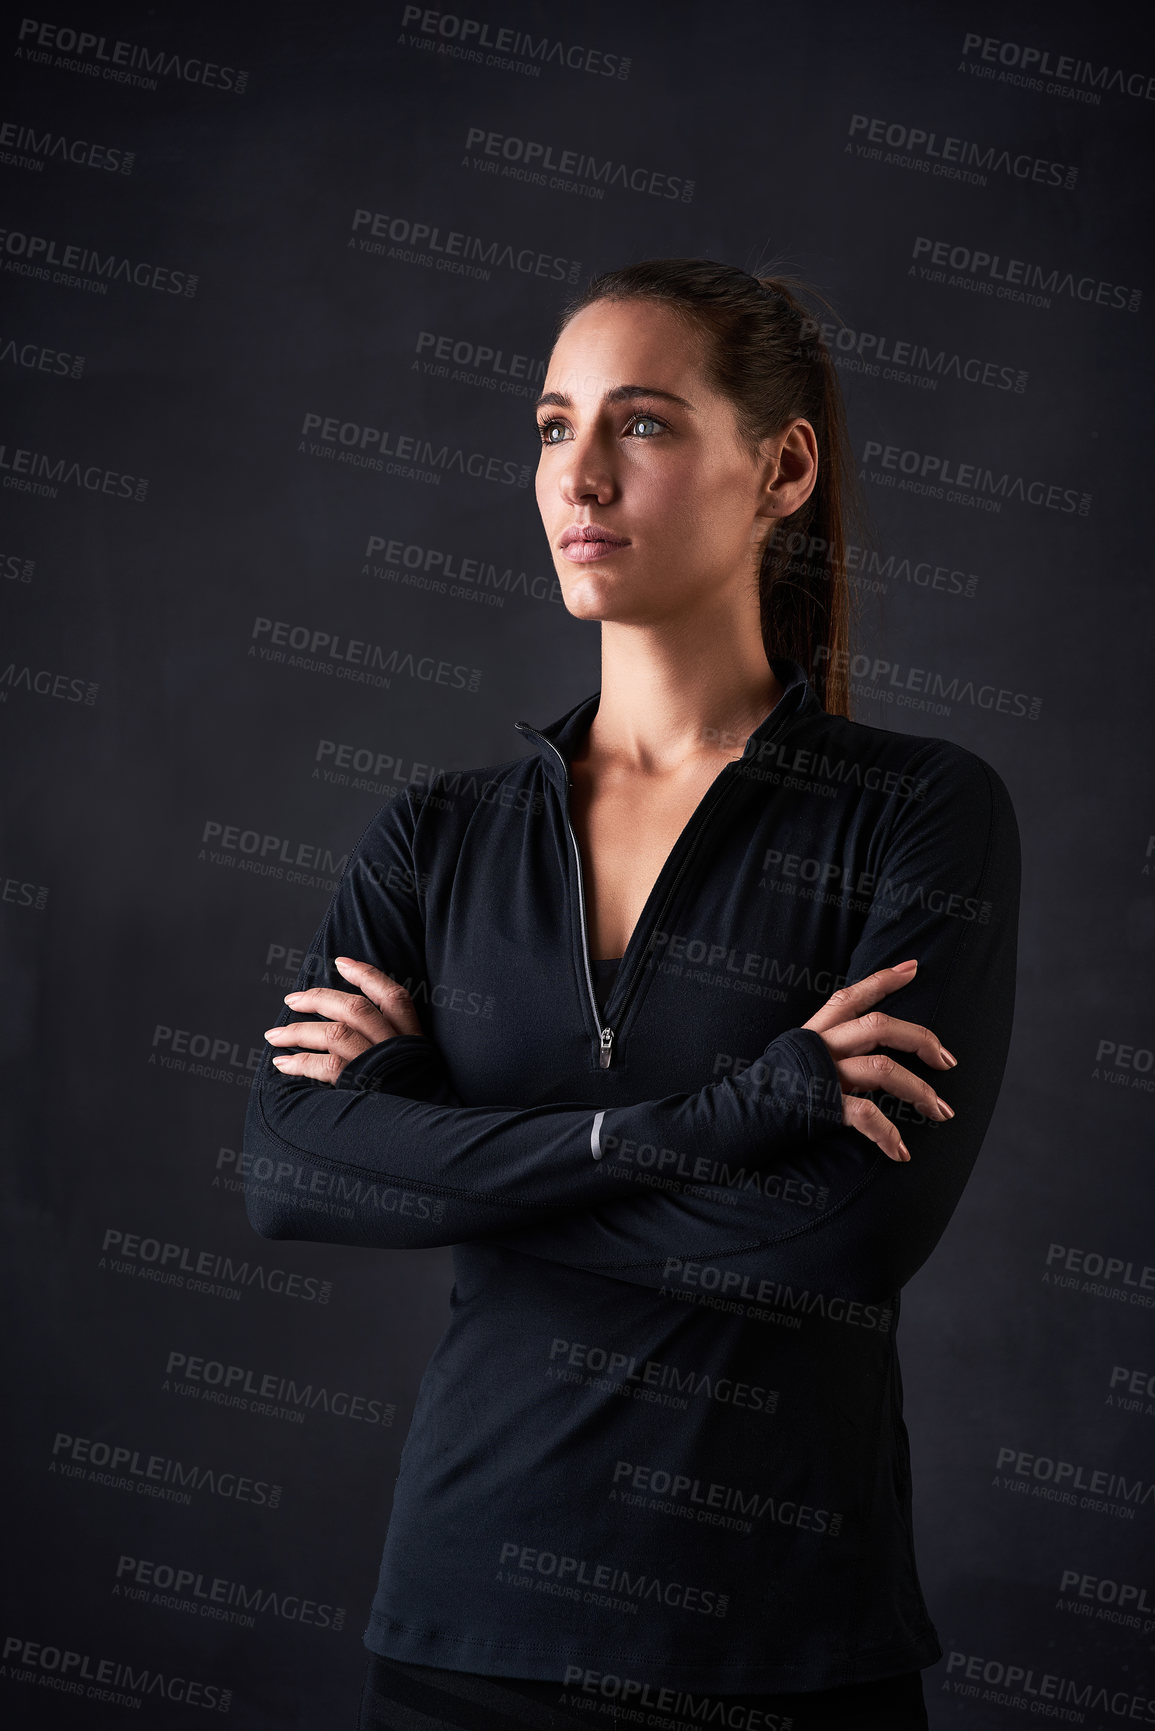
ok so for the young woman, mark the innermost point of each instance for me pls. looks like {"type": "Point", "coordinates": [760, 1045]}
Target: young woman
{"type": "Point", "coordinates": [608, 1018]}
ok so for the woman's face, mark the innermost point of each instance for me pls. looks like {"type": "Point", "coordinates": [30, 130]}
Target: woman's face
{"type": "Point", "coordinates": [636, 443]}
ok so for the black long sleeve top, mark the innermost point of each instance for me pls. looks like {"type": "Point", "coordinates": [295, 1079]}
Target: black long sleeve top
{"type": "Point", "coordinates": [662, 1435]}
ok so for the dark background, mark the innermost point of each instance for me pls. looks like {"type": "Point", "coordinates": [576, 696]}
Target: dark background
{"type": "Point", "coordinates": [165, 781]}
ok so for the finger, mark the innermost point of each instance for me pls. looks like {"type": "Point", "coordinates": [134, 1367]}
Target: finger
{"type": "Point", "coordinates": [878, 1070]}
{"type": "Point", "coordinates": [876, 1028]}
{"type": "Point", "coordinates": [321, 1037]}
{"type": "Point", "coordinates": [852, 999]}
{"type": "Point", "coordinates": [348, 1007]}
{"type": "Point", "coordinates": [864, 1115]}
{"type": "Point", "coordinates": [320, 1067]}
{"type": "Point", "coordinates": [389, 995]}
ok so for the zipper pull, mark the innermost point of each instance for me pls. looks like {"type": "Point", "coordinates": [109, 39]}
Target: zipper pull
{"type": "Point", "coordinates": [607, 1051]}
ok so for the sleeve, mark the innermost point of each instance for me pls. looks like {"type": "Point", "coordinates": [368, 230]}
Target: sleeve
{"type": "Point", "coordinates": [947, 892]}
{"type": "Point", "coordinates": [389, 1157]}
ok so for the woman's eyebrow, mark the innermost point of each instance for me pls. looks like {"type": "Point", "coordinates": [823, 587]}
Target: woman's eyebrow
{"type": "Point", "coordinates": [619, 394]}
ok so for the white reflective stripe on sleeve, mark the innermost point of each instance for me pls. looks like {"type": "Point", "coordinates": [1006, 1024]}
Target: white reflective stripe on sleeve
{"type": "Point", "coordinates": [595, 1136]}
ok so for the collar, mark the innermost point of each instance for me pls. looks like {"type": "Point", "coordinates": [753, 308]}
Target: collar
{"type": "Point", "coordinates": [556, 741]}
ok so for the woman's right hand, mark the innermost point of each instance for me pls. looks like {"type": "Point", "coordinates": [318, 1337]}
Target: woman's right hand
{"type": "Point", "coordinates": [851, 1030]}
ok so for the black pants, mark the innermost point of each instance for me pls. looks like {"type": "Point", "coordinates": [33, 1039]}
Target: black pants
{"type": "Point", "coordinates": [403, 1697]}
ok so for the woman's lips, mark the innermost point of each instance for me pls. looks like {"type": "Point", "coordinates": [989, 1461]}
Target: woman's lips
{"type": "Point", "coordinates": [582, 552]}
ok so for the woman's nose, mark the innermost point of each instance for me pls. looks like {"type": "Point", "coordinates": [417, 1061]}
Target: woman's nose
{"type": "Point", "coordinates": [586, 474]}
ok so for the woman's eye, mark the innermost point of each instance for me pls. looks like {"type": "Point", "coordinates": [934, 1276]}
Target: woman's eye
{"type": "Point", "coordinates": [546, 428]}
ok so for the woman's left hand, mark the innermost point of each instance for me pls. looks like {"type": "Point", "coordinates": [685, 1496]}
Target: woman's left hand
{"type": "Point", "coordinates": [380, 1009]}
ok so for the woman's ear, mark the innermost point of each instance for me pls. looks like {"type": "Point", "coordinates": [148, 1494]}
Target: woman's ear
{"type": "Point", "coordinates": [789, 469]}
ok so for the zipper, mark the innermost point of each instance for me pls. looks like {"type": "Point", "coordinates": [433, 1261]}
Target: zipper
{"type": "Point", "coordinates": [607, 1034]}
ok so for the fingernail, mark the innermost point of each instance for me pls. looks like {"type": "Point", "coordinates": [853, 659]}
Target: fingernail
{"type": "Point", "coordinates": [279, 1061]}
{"type": "Point", "coordinates": [949, 1110]}
{"type": "Point", "coordinates": [898, 966]}
{"type": "Point", "coordinates": [292, 997]}
{"type": "Point", "coordinates": [949, 1056]}
{"type": "Point", "coordinates": [904, 1150]}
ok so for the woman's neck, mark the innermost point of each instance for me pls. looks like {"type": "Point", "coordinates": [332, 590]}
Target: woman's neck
{"type": "Point", "coordinates": [659, 711]}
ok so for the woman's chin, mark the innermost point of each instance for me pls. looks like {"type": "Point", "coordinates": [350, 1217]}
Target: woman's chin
{"type": "Point", "coordinates": [586, 597]}
{"type": "Point", "coordinates": [597, 595]}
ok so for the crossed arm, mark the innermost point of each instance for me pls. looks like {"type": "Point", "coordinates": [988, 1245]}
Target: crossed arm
{"type": "Point", "coordinates": [389, 1157]}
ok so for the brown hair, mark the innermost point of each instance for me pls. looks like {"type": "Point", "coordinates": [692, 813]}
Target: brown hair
{"type": "Point", "coordinates": [763, 350]}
